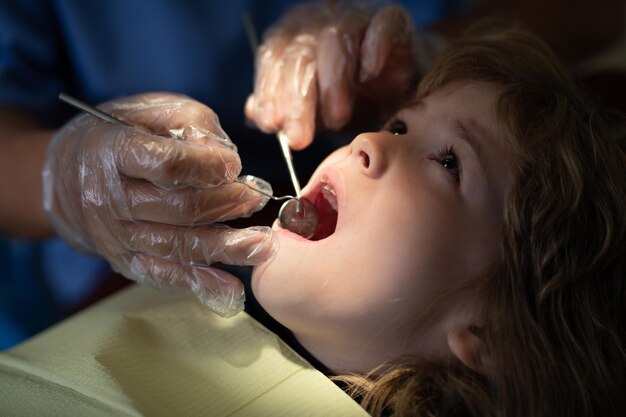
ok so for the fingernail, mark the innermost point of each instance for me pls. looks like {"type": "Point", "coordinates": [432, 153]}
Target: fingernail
{"type": "Point", "coordinates": [297, 138]}
{"type": "Point", "coordinates": [365, 76]}
{"type": "Point", "coordinates": [337, 110]}
{"type": "Point", "coordinates": [222, 169]}
{"type": "Point", "coordinates": [369, 61]}
{"type": "Point", "coordinates": [368, 70]}
{"type": "Point", "coordinates": [232, 169]}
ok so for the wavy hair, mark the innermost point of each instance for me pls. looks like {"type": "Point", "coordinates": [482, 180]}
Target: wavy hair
{"type": "Point", "coordinates": [554, 309]}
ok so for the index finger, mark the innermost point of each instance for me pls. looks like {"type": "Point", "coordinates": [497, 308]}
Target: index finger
{"type": "Point", "coordinates": [167, 113]}
{"type": "Point", "coordinates": [297, 95]}
{"type": "Point", "coordinates": [337, 65]}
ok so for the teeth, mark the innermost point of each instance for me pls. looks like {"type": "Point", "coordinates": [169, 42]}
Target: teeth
{"type": "Point", "coordinates": [329, 194]}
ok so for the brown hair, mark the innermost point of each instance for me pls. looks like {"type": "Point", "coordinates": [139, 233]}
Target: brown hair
{"type": "Point", "coordinates": [555, 306]}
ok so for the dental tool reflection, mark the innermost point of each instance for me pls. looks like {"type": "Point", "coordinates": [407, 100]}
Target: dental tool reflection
{"type": "Point", "coordinates": [296, 215]}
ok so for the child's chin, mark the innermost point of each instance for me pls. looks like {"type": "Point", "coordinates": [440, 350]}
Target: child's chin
{"type": "Point", "coordinates": [257, 283]}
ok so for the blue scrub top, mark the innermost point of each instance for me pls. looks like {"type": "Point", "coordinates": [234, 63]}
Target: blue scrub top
{"type": "Point", "coordinates": [100, 50]}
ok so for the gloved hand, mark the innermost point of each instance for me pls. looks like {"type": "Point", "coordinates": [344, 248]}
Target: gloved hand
{"type": "Point", "coordinates": [147, 202]}
{"type": "Point", "coordinates": [327, 55]}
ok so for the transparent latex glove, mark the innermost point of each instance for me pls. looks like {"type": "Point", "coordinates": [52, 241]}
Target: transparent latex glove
{"type": "Point", "coordinates": [334, 57]}
{"type": "Point", "coordinates": [147, 197]}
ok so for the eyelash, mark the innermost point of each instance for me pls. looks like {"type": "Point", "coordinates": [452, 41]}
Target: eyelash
{"type": "Point", "coordinates": [446, 156]}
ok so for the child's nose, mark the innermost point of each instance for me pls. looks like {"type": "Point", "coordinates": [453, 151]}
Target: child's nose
{"type": "Point", "coordinates": [369, 150]}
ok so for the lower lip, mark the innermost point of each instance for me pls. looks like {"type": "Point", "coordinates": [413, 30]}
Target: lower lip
{"type": "Point", "coordinates": [290, 234]}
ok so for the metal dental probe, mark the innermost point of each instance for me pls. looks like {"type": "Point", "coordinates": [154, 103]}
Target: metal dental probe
{"type": "Point", "coordinates": [90, 109]}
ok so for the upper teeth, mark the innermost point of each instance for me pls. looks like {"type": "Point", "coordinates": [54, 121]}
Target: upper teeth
{"type": "Point", "coordinates": [329, 194]}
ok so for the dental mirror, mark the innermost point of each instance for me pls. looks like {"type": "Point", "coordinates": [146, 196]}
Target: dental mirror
{"type": "Point", "coordinates": [298, 216]}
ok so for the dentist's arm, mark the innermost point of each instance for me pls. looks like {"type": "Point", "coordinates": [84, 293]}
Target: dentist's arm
{"type": "Point", "coordinates": [23, 145]}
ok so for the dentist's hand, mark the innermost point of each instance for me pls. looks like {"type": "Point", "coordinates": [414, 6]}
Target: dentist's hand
{"type": "Point", "coordinates": [335, 58]}
{"type": "Point", "coordinates": [148, 202]}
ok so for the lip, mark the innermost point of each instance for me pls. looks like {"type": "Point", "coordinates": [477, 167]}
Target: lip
{"type": "Point", "coordinates": [328, 176]}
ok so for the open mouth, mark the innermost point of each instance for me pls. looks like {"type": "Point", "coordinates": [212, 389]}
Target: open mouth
{"type": "Point", "coordinates": [324, 198]}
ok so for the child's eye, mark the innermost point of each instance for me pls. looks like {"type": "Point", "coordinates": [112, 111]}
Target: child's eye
{"type": "Point", "coordinates": [448, 159]}
{"type": "Point", "coordinates": [397, 127]}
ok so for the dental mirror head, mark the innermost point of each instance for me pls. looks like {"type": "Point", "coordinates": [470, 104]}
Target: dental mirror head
{"type": "Point", "coordinates": [298, 216]}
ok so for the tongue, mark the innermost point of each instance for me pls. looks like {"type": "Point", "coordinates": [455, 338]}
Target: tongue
{"type": "Point", "coordinates": [327, 217]}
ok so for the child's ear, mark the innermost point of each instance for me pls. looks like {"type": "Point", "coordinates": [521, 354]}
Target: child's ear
{"type": "Point", "coordinates": [466, 344]}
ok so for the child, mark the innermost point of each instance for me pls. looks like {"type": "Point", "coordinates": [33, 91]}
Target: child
{"type": "Point", "coordinates": [470, 258]}
{"type": "Point", "coordinates": [469, 261]}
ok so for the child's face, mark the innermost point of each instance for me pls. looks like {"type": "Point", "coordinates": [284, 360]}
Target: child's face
{"type": "Point", "coordinates": [419, 212]}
